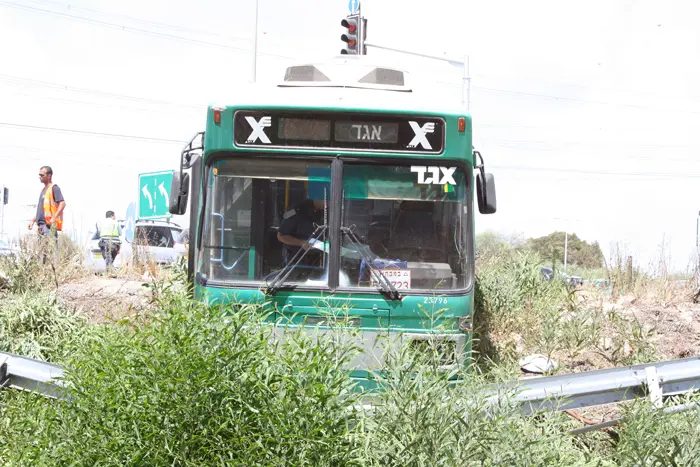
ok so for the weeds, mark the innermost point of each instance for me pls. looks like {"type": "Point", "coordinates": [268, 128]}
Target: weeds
{"type": "Point", "coordinates": [512, 298]}
{"type": "Point", "coordinates": [624, 341]}
{"type": "Point", "coordinates": [518, 312]}
{"type": "Point", "coordinates": [201, 386]}
{"type": "Point", "coordinates": [27, 272]}
{"type": "Point", "coordinates": [35, 326]}
{"type": "Point", "coordinates": [194, 384]}
{"type": "Point", "coordinates": [657, 438]}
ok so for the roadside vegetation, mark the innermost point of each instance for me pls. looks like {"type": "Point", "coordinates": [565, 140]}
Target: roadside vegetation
{"type": "Point", "coordinates": [185, 383]}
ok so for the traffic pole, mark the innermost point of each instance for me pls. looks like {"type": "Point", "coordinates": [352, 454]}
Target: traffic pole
{"type": "Point", "coordinates": [255, 42]}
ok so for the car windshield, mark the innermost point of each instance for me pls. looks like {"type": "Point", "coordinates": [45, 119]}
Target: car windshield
{"type": "Point", "coordinates": [267, 220]}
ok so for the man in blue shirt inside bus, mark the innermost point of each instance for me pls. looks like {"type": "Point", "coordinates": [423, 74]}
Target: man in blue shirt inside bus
{"type": "Point", "coordinates": [298, 224]}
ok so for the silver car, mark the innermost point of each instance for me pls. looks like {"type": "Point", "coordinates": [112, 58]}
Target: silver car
{"type": "Point", "coordinates": [161, 241]}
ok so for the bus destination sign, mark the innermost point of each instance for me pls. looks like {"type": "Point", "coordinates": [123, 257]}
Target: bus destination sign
{"type": "Point", "coordinates": [325, 130]}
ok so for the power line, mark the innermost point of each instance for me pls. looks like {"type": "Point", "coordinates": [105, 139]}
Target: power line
{"type": "Point", "coordinates": [143, 21]}
{"type": "Point", "coordinates": [30, 82]}
{"type": "Point", "coordinates": [599, 172]}
{"type": "Point", "coordinates": [158, 24]}
{"type": "Point", "coordinates": [96, 159]}
{"type": "Point", "coordinates": [570, 99]}
{"type": "Point", "coordinates": [135, 30]}
{"type": "Point", "coordinates": [24, 81]}
{"type": "Point", "coordinates": [593, 143]}
{"type": "Point", "coordinates": [214, 44]}
{"type": "Point", "coordinates": [557, 126]}
{"type": "Point", "coordinates": [91, 133]}
{"type": "Point", "coordinates": [591, 156]}
{"type": "Point", "coordinates": [104, 104]}
{"type": "Point", "coordinates": [603, 88]}
{"type": "Point", "coordinates": [173, 141]}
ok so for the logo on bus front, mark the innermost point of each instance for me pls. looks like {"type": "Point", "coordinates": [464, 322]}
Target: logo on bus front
{"type": "Point", "coordinates": [419, 135]}
{"type": "Point", "coordinates": [258, 128]}
{"type": "Point", "coordinates": [434, 175]}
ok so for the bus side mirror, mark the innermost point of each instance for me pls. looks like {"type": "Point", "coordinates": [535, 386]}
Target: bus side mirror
{"type": "Point", "coordinates": [486, 192]}
{"type": "Point", "coordinates": [179, 193]}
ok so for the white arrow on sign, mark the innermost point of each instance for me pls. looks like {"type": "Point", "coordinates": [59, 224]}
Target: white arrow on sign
{"type": "Point", "coordinates": [163, 192]}
{"type": "Point", "coordinates": [147, 194]}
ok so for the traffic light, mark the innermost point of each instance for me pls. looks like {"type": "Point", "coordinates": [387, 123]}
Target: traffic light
{"type": "Point", "coordinates": [352, 36]}
{"type": "Point", "coordinates": [5, 195]}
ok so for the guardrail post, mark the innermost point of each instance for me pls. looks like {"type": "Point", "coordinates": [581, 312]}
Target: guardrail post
{"type": "Point", "coordinates": [653, 386]}
{"type": "Point", "coordinates": [4, 376]}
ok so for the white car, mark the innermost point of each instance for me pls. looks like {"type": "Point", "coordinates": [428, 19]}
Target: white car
{"type": "Point", "coordinates": [162, 241]}
{"type": "Point", "coordinates": [6, 249]}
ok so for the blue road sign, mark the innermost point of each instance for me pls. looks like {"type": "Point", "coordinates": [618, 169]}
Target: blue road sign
{"type": "Point", "coordinates": [353, 6]}
{"type": "Point", "coordinates": [129, 222]}
{"type": "Point", "coordinates": [154, 194]}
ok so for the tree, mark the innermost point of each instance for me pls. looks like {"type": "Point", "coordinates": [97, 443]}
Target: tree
{"type": "Point", "coordinates": [580, 252]}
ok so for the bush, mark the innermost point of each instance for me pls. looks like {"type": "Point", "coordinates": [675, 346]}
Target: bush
{"type": "Point", "coordinates": [512, 298]}
{"type": "Point", "coordinates": [199, 386]}
{"type": "Point", "coordinates": [27, 272]}
{"type": "Point", "coordinates": [654, 438]}
{"type": "Point", "coordinates": [35, 326]}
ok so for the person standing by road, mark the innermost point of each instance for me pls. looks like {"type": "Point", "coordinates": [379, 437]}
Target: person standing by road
{"type": "Point", "coordinates": [49, 209]}
{"type": "Point", "coordinates": [109, 233]}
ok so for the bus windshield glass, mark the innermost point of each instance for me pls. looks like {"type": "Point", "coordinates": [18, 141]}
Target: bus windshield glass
{"type": "Point", "coordinates": [412, 221]}
{"type": "Point", "coordinates": [260, 214]}
{"type": "Point", "coordinates": [268, 220]}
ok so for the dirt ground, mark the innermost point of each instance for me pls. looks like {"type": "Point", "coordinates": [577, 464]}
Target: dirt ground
{"type": "Point", "coordinates": [105, 299]}
{"type": "Point", "coordinates": [670, 314]}
{"type": "Point", "coordinates": [673, 321]}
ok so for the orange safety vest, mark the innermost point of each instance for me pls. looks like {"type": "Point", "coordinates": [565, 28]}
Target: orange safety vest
{"type": "Point", "coordinates": [50, 208]}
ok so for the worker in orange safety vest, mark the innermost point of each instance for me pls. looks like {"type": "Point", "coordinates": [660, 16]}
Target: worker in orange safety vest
{"type": "Point", "coordinates": [49, 210]}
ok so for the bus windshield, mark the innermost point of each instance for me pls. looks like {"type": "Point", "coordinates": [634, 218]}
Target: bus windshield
{"type": "Point", "coordinates": [267, 217]}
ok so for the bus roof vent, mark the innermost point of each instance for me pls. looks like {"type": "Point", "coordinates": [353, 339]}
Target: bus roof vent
{"type": "Point", "coordinates": [304, 73]}
{"type": "Point", "coordinates": [384, 76]}
{"type": "Point", "coordinates": [346, 72]}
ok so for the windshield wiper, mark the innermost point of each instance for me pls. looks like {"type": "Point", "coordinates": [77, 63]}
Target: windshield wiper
{"type": "Point", "coordinates": [287, 270]}
{"type": "Point", "coordinates": [385, 284]}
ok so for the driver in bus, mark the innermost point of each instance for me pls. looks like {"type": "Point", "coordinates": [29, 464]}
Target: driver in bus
{"type": "Point", "coordinates": [298, 224]}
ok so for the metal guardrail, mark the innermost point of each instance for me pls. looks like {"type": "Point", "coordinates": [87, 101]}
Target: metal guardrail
{"type": "Point", "coordinates": [548, 393]}
{"type": "Point", "coordinates": [27, 374]}
{"type": "Point", "coordinates": [590, 388]}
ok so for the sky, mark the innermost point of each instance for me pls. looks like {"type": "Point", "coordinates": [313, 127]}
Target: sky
{"type": "Point", "coordinates": [583, 112]}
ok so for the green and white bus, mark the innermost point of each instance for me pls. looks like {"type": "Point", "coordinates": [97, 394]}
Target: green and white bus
{"type": "Point", "coordinates": [342, 187]}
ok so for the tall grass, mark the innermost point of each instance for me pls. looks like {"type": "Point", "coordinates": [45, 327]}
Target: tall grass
{"type": "Point", "coordinates": [193, 384]}
{"type": "Point", "coordinates": [32, 322]}
{"type": "Point", "coordinates": [198, 385]}
{"type": "Point", "coordinates": [517, 313]}
{"type": "Point", "coordinates": [27, 271]}
{"type": "Point", "coordinates": [35, 326]}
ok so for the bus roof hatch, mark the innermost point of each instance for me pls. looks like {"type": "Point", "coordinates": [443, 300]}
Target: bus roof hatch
{"type": "Point", "coordinates": [345, 74]}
